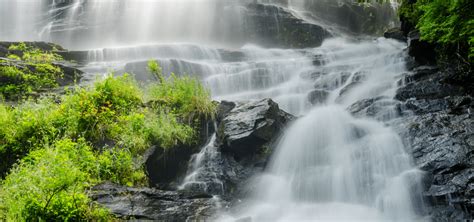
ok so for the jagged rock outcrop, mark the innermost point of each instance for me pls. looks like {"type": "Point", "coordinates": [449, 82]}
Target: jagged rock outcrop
{"type": "Point", "coordinates": [152, 204]}
{"type": "Point", "coordinates": [246, 135]}
{"type": "Point", "coordinates": [440, 131]}
{"type": "Point", "coordinates": [249, 127]}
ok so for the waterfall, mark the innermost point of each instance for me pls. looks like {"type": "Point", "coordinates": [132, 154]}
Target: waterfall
{"type": "Point", "coordinates": [203, 173]}
{"type": "Point", "coordinates": [329, 164]}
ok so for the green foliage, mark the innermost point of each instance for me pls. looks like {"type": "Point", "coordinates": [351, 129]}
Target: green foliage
{"type": "Point", "coordinates": [186, 97]}
{"type": "Point", "coordinates": [156, 70]}
{"type": "Point", "coordinates": [24, 128]}
{"type": "Point", "coordinates": [28, 70]}
{"type": "Point", "coordinates": [94, 134]}
{"type": "Point", "coordinates": [90, 112]}
{"type": "Point", "coordinates": [118, 166]}
{"type": "Point", "coordinates": [49, 185]}
{"type": "Point", "coordinates": [32, 55]}
{"type": "Point", "coordinates": [165, 130]}
{"type": "Point", "coordinates": [449, 23]}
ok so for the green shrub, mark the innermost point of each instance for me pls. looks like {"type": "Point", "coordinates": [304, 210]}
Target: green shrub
{"type": "Point", "coordinates": [119, 166]}
{"type": "Point", "coordinates": [156, 70]}
{"type": "Point", "coordinates": [90, 112]}
{"type": "Point", "coordinates": [185, 96]}
{"type": "Point", "coordinates": [24, 128]}
{"type": "Point", "coordinates": [49, 185]}
{"type": "Point", "coordinates": [164, 129]}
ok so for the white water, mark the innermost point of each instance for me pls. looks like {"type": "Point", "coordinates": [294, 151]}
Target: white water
{"type": "Point", "coordinates": [204, 171]}
{"type": "Point", "coordinates": [332, 166]}
{"type": "Point", "coordinates": [328, 166]}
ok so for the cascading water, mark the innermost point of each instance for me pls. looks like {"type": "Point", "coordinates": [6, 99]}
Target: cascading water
{"type": "Point", "coordinates": [332, 166]}
{"type": "Point", "coordinates": [203, 173]}
{"type": "Point", "coordinates": [329, 165]}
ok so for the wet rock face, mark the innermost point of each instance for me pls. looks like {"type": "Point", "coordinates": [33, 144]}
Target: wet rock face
{"type": "Point", "coordinates": [427, 83]}
{"type": "Point", "coordinates": [165, 166]}
{"type": "Point", "coordinates": [273, 26]}
{"type": "Point", "coordinates": [395, 33]}
{"type": "Point", "coordinates": [152, 204]}
{"type": "Point", "coordinates": [423, 52]}
{"type": "Point", "coordinates": [242, 147]}
{"type": "Point", "coordinates": [248, 127]}
{"type": "Point", "coordinates": [440, 132]}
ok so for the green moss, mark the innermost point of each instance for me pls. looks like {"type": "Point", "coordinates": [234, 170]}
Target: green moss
{"type": "Point", "coordinates": [28, 70]}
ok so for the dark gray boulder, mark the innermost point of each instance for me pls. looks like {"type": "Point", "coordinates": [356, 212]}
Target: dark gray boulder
{"type": "Point", "coordinates": [243, 145]}
{"type": "Point", "coordinates": [79, 57]}
{"type": "Point", "coordinates": [152, 204]}
{"type": "Point", "coordinates": [245, 130]}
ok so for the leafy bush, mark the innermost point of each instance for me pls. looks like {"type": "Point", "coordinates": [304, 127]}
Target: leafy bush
{"type": "Point", "coordinates": [185, 96]}
{"type": "Point", "coordinates": [165, 130]}
{"type": "Point", "coordinates": [49, 185]}
{"type": "Point", "coordinates": [24, 128]}
{"type": "Point", "coordinates": [90, 112]}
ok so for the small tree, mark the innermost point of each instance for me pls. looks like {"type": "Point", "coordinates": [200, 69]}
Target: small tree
{"type": "Point", "coordinates": [156, 70]}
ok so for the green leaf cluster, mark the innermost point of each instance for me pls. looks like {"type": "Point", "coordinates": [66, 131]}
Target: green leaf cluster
{"type": "Point", "coordinates": [50, 185]}
{"type": "Point", "coordinates": [449, 23]}
{"type": "Point", "coordinates": [185, 95]}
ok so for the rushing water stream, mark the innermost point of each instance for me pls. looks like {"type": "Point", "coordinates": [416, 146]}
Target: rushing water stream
{"type": "Point", "coordinates": [329, 165]}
